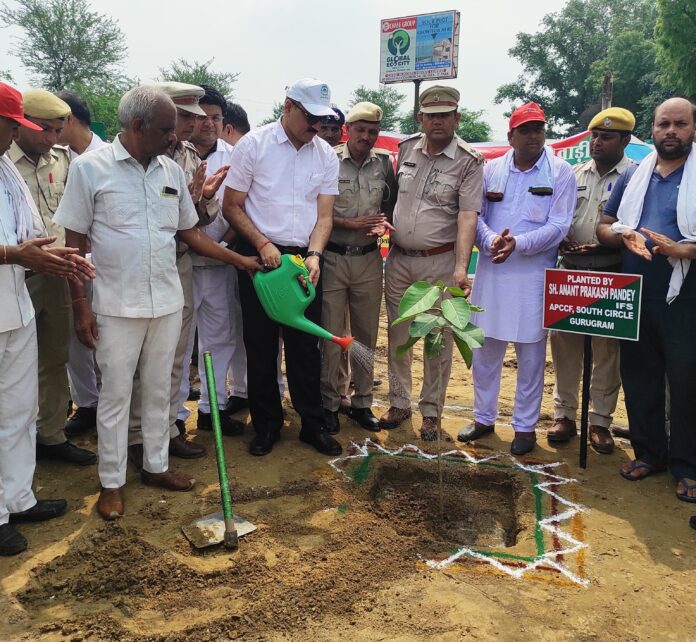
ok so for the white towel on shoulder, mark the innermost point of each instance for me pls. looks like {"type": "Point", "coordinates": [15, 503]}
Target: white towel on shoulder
{"type": "Point", "coordinates": [502, 171]}
{"type": "Point", "coordinates": [631, 209]}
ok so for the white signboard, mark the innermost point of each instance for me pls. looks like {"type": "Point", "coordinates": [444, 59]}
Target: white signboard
{"type": "Point", "coordinates": [423, 47]}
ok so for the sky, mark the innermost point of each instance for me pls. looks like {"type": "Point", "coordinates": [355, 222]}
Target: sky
{"type": "Point", "coordinates": [272, 43]}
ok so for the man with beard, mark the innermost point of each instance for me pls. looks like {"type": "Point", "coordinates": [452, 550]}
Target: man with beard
{"type": "Point", "coordinates": [611, 132]}
{"type": "Point", "coordinates": [651, 216]}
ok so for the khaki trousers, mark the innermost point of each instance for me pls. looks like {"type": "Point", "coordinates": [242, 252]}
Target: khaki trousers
{"type": "Point", "coordinates": [185, 269]}
{"type": "Point", "coordinates": [400, 272]}
{"type": "Point", "coordinates": [356, 282]}
{"type": "Point", "coordinates": [605, 383]}
{"type": "Point", "coordinates": [51, 298]}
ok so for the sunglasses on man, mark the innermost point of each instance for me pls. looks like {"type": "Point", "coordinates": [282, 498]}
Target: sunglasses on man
{"type": "Point", "coordinates": [310, 118]}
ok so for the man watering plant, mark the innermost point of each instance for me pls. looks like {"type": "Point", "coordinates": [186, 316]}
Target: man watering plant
{"type": "Point", "coordinates": [440, 181]}
{"type": "Point", "coordinates": [280, 195]}
{"type": "Point", "coordinates": [528, 207]}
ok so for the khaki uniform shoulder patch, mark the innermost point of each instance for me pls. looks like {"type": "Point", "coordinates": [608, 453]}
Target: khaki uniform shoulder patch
{"type": "Point", "coordinates": [411, 138]}
{"type": "Point", "coordinates": [469, 149]}
{"type": "Point", "coordinates": [381, 151]}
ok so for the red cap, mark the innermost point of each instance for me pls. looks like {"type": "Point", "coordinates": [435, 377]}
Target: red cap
{"type": "Point", "coordinates": [11, 106]}
{"type": "Point", "coordinates": [531, 112]}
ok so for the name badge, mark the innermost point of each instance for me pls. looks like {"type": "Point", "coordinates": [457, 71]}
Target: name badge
{"type": "Point", "coordinates": [344, 180]}
{"type": "Point", "coordinates": [582, 188]}
{"type": "Point", "coordinates": [169, 192]}
{"type": "Point", "coordinates": [409, 164]}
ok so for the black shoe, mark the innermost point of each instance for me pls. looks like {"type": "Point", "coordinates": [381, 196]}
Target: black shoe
{"type": "Point", "coordinates": [235, 404]}
{"type": "Point", "coordinates": [522, 444]}
{"type": "Point", "coordinates": [41, 511]}
{"type": "Point", "coordinates": [262, 443]}
{"type": "Point", "coordinates": [229, 427]}
{"type": "Point", "coordinates": [692, 521]}
{"type": "Point", "coordinates": [82, 421]}
{"type": "Point", "coordinates": [474, 431]}
{"type": "Point", "coordinates": [365, 418]}
{"type": "Point", "coordinates": [66, 452]}
{"type": "Point", "coordinates": [181, 426]}
{"type": "Point", "coordinates": [194, 394]}
{"type": "Point", "coordinates": [331, 422]}
{"type": "Point", "coordinates": [11, 541]}
{"type": "Point", "coordinates": [322, 441]}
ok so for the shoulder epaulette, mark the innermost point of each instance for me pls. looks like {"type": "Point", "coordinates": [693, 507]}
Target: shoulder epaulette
{"type": "Point", "coordinates": [381, 151]}
{"type": "Point", "coordinates": [415, 136]}
{"type": "Point", "coordinates": [469, 149]}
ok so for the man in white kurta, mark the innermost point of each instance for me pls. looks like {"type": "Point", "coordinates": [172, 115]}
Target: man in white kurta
{"type": "Point", "coordinates": [527, 210]}
{"type": "Point", "coordinates": [20, 249]}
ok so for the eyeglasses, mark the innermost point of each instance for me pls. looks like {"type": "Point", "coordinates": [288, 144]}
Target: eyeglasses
{"type": "Point", "coordinates": [310, 118]}
{"type": "Point", "coordinates": [216, 118]}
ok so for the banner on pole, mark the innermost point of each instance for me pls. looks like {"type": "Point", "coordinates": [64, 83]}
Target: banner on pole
{"type": "Point", "coordinates": [422, 47]}
{"type": "Point", "coordinates": [605, 304]}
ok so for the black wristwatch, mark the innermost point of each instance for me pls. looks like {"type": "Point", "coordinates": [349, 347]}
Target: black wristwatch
{"type": "Point", "coordinates": [319, 255]}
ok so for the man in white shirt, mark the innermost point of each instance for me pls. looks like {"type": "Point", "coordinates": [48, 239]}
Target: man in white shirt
{"type": "Point", "coordinates": [82, 366]}
{"type": "Point", "coordinates": [21, 249]}
{"type": "Point", "coordinates": [280, 194]}
{"type": "Point", "coordinates": [133, 202]}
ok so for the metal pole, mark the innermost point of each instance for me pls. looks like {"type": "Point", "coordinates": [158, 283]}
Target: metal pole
{"type": "Point", "coordinates": [416, 106]}
{"type": "Point", "coordinates": [586, 373]}
{"type": "Point", "coordinates": [607, 89]}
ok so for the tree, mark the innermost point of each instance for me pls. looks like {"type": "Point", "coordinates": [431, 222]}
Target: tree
{"type": "Point", "coordinates": [558, 59]}
{"type": "Point", "coordinates": [277, 113]}
{"type": "Point", "coordinates": [472, 128]}
{"type": "Point", "coordinates": [65, 43]}
{"type": "Point", "coordinates": [386, 97]}
{"type": "Point", "coordinates": [676, 39]}
{"type": "Point", "coordinates": [196, 73]}
{"type": "Point", "coordinates": [632, 60]}
{"type": "Point", "coordinates": [103, 100]}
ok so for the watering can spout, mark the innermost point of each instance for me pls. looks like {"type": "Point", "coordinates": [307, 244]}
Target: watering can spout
{"type": "Point", "coordinates": [344, 342]}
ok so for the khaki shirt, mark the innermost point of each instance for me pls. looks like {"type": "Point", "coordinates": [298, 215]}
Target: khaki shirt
{"type": "Point", "coordinates": [46, 181]}
{"type": "Point", "coordinates": [593, 193]}
{"type": "Point", "coordinates": [185, 155]}
{"type": "Point", "coordinates": [433, 189]}
{"type": "Point", "coordinates": [366, 189]}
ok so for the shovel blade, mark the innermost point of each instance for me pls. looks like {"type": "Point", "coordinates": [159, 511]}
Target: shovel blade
{"type": "Point", "coordinates": [210, 530]}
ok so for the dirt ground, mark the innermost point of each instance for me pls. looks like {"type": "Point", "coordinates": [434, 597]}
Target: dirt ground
{"type": "Point", "coordinates": [535, 549]}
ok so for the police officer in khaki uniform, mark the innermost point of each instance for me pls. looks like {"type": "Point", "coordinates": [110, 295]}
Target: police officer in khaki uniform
{"type": "Point", "coordinates": [352, 272]}
{"type": "Point", "coordinates": [440, 179]}
{"type": "Point", "coordinates": [202, 190]}
{"type": "Point", "coordinates": [44, 167]}
{"type": "Point", "coordinates": [611, 133]}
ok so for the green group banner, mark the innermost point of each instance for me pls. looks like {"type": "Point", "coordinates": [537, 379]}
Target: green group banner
{"type": "Point", "coordinates": [604, 304]}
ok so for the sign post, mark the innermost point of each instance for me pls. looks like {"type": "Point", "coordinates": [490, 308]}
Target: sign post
{"type": "Point", "coordinates": [605, 304]}
{"type": "Point", "coordinates": [420, 47]}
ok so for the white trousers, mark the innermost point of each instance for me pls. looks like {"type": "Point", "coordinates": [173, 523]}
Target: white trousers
{"type": "Point", "coordinates": [486, 371]}
{"type": "Point", "coordinates": [218, 317]}
{"type": "Point", "coordinates": [82, 367]}
{"type": "Point", "coordinates": [19, 398]}
{"type": "Point", "coordinates": [124, 345]}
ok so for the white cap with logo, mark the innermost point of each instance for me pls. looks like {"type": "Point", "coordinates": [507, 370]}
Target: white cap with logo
{"type": "Point", "coordinates": [314, 95]}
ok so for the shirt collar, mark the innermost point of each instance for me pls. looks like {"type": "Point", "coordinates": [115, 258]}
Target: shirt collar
{"type": "Point", "coordinates": [121, 153]}
{"type": "Point", "coordinates": [450, 151]}
{"type": "Point", "coordinates": [16, 152]}
{"type": "Point", "coordinates": [537, 165]}
{"type": "Point", "coordinates": [345, 154]}
{"type": "Point", "coordinates": [619, 168]}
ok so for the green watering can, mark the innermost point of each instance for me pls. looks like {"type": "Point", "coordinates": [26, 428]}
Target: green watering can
{"type": "Point", "coordinates": [285, 299]}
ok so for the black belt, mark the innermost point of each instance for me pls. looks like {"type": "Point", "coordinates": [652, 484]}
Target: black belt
{"type": "Point", "coordinates": [291, 249]}
{"type": "Point", "coordinates": [351, 250]}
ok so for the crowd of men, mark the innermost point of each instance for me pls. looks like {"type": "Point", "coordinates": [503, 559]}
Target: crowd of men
{"type": "Point", "coordinates": [113, 254]}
